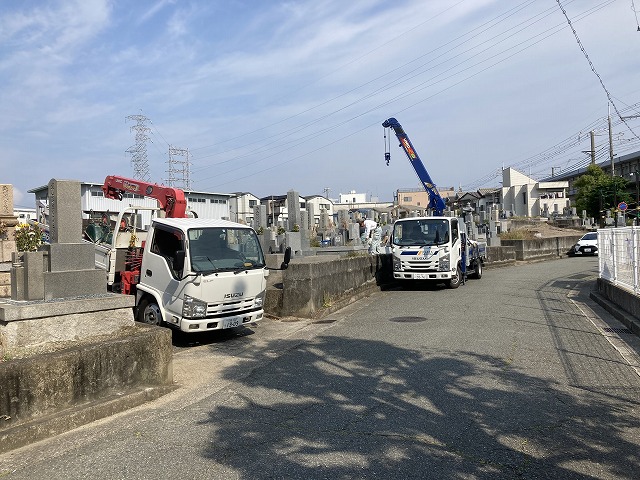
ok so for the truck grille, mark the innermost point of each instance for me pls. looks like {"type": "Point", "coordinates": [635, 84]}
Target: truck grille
{"type": "Point", "coordinates": [232, 306]}
{"type": "Point", "coordinates": [421, 266]}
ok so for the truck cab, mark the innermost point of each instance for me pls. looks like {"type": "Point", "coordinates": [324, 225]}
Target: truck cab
{"type": "Point", "coordinates": [201, 274]}
{"type": "Point", "coordinates": [436, 249]}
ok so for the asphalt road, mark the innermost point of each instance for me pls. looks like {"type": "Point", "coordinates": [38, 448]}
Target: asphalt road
{"type": "Point", "coordinates": [516, 375]}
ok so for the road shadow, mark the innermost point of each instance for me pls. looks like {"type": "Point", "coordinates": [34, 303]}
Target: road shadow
{"type": "Point", "coordinates": [337, 408]}
{"type": "Point", "coordinates": [181, 339]}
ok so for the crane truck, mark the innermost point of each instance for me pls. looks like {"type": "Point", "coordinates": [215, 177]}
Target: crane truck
{"type": "Point", "coordinates": [192, 274]}
{"type": "Point", "coordinates": [435, 247]}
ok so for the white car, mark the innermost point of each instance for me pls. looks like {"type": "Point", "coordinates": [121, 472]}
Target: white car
{"type": "Point", "coordinates": [587, 245]}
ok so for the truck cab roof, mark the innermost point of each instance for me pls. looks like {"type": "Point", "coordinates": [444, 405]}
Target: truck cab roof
{"type": "Point", "coordinates": [187, 223]}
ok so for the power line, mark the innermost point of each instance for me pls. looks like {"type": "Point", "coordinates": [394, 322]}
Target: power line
{"type": "Point", "coordinates": [593, 68]}
{"type": "Point", "coordinates": [412, 91]}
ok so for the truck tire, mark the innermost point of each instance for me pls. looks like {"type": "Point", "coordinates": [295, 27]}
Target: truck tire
{"type": "Point", "coordinates": [456, 280]}
{"type": "Point", "coordinates": [478, 270]}
{"type": "Point", "coordinates": [149, 312]}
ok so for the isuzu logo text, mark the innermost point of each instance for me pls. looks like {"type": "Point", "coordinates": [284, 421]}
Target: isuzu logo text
{"type": "Point", "coordinates": [233, 295]}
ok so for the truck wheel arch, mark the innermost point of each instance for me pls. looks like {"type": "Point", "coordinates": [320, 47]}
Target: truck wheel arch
{"type": "Point", "coordinates": [148, 310]}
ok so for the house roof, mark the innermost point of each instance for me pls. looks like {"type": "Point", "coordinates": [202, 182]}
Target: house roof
{"type": "Point", "coordinates": [486, 191]}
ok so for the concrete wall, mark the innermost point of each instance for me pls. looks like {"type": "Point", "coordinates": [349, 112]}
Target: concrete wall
{"type": "Point", "coordinates": [541, 248]}
{"type": "Point", "coordinates": [41, 386]}
{"type": "Point", "coordinates": [624, 299]}
{"type": "Point", "coordinates": [498, 256]}
{"type": "Point", "coordinates": [318, 283]}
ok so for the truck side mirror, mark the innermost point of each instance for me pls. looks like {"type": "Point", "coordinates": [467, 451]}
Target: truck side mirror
{"type": "Point", "coordinates": [178, 260]}
{"type": "Point", "coordinates": [287, 259]}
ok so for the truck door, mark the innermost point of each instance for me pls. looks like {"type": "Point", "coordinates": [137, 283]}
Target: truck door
{"type": "Point", "coordinates": [161, 269]}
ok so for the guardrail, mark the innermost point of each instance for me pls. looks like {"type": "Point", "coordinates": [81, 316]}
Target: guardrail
{"type": "Point", "coordinates": [618, 256]}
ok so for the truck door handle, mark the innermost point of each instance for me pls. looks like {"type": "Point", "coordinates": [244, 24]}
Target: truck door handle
{"type": "Point", "coordinates": [148, 273]}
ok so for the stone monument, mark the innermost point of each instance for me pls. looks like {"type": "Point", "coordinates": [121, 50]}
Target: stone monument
{"type": "Point", "coordinates": [7, 242]}
{"type": "Point", "coordinates": [57, 294]}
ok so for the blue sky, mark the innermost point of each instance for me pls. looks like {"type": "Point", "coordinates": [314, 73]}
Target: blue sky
{"type": "Point", "coordinates": [270, 96]}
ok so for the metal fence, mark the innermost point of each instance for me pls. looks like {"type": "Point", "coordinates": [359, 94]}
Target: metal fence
{"type": "Point", "coordinates": [618, 256]}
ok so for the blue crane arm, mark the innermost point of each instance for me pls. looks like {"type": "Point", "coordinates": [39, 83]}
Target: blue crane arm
{"type": "Point", "coordinates": [436, 202]}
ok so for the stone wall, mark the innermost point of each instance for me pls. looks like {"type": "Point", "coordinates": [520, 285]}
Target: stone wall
{"type": "Point", "coordinates": [498, 256]}
{"type": "Point", "coordinates": [541, 248]}
{"type": "Point", "coordinates": [316, 285]}
{"type": "Point", "coordinates": [38, 388]}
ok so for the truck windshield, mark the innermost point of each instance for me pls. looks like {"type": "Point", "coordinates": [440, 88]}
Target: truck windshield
{"type": "Point", "coordinates": [421, 232]}
{"type": "Point", "coordinates": [217, 249]}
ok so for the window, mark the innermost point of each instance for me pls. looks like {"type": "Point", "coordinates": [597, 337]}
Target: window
{"type": "Point", "coordinates": [524, 197]}
{"type": "Point", "coordinates": [97, 194]}
{"type": "Point", "coordinates": [406, 199]}
{"type": "Point", "coordinates": [454, 230]}
{"type": "Point", "coordinates": [252, 203]}
{"type": "Point", "coordinates": [166, 243]}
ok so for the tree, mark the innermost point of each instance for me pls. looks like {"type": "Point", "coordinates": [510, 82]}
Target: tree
{"type": "Point", "coordinates": [597, 191]}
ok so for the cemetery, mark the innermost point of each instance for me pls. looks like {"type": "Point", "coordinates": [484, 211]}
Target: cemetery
{"type": "Point", "coordinates": [71, 352]}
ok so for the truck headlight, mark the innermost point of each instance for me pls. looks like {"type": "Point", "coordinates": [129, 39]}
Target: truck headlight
{"type": "Point", "coordinates": [397, 264]}
{"type": "Point", "coordinates": [193, 308]}
{"type": "Point", "coordinates": [444, 264]}
{"type": "Point", "coordinates": [259, 301]}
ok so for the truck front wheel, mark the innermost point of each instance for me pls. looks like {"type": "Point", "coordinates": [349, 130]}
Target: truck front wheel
{"type": "Point", "coordinates": [478, 270]}
{"type": "Point", "coordinates": [456, 279]}
{"type": "Point", "coordinates": [149, 312]}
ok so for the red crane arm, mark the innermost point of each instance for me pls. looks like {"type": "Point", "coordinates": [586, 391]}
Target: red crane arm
{"type": "Point", "coordinates": [171, 200]}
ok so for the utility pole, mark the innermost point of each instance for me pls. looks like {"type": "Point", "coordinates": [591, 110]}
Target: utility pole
{"type": "Point", "coordinates": [611, 145]}
{"type": "Point", "coordinates": [593, 147]}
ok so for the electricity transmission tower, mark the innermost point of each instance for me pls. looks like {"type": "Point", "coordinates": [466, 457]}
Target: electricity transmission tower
{"type": "Point", "coordinates": [138, 151]}
{"type": "Point", "coordinates": [179, 168]}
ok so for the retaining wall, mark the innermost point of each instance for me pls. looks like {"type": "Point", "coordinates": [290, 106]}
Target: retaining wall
{"type": "Point", "coordinates": [624, 299]}
{"type": "Point", "coordinates": [317, 284]}
{"type": "Point", "coordinates": [541, 248]}
{"type": "Point", "coordinates": [96, 378]}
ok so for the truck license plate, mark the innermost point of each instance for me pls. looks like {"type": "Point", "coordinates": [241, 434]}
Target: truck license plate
{"type": "Point", "coordinates": [231, 323]}
{"type": "Point", "coordinates": [420, 276]}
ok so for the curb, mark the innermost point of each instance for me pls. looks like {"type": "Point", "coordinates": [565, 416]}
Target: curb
{"type": "Point", "coordinates": [627, 319]}
{"type": "Point", "coordinates": [76, 416]}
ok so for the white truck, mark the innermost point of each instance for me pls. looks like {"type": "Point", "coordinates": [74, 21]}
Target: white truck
{"type": "Point", "coordinates": [188, 273]}
{"type": "Point", "coordinates": [435, 249]}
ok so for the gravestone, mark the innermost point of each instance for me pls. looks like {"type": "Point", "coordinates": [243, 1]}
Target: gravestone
{"type": "Point", "coordinates": [324, 220]}
{"type": "Point", "coordinates": [6, 206]}
{"type": "Point", "coordinates": [260, 216]}
{"type": "Point", "coordinates": [65, 267]}
{"type": "Point", "coordinates": [57, 294]}
{"type": "Point", "coordinates": [354, 233]}
{"type": "Point", "coordinates": [311, 216]}
{"type": "Point", "coordinates": [293, 208]}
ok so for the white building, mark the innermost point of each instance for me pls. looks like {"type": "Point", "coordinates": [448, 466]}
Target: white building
{"type": "Point", "coordinates": [241, 207]}
{"type": "Point", "coordinates": [525, 197]}
{"type": "Point", "coordinates": [352, 197]}
{"type": "Point", "coordinates": [94, 203]}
